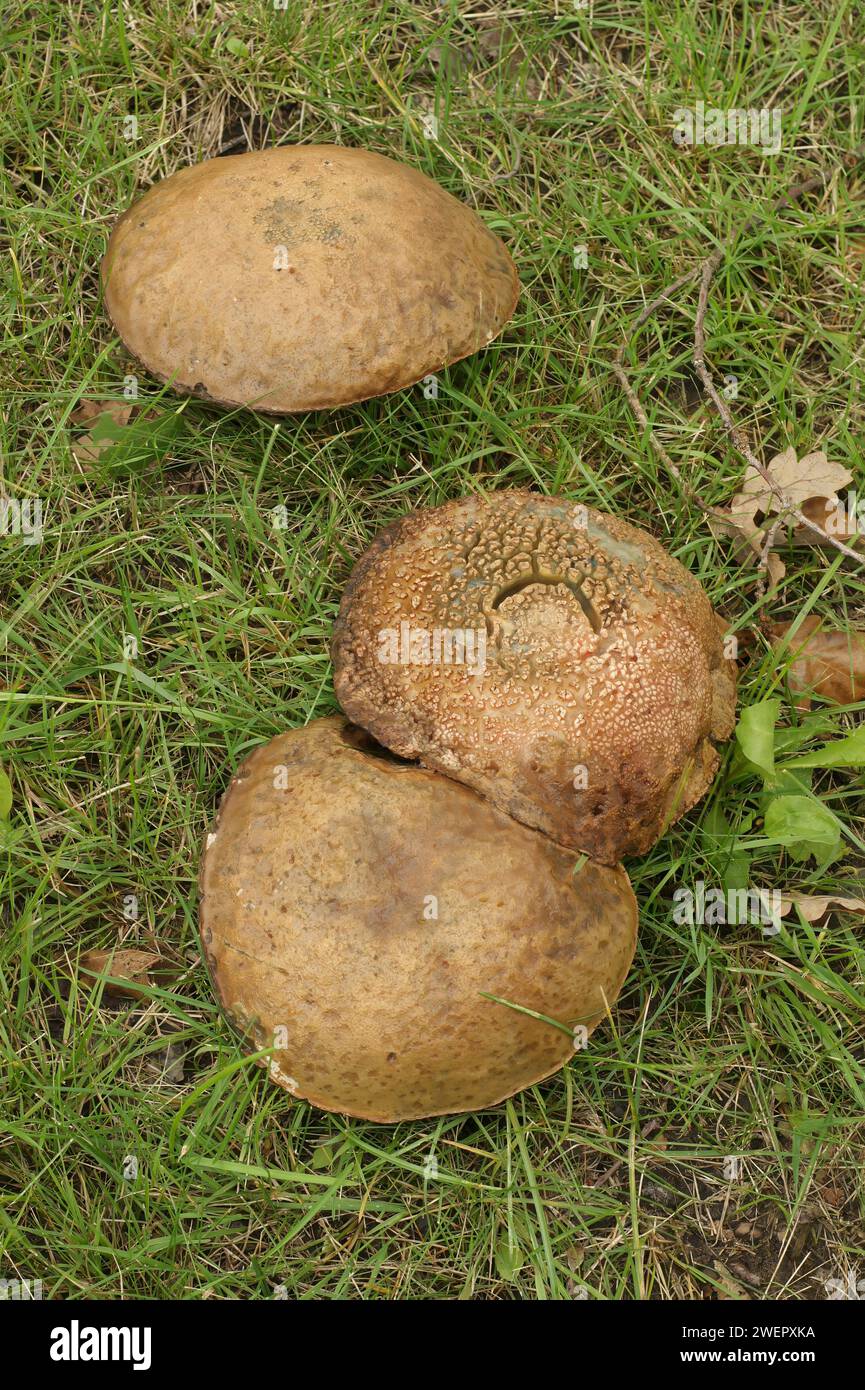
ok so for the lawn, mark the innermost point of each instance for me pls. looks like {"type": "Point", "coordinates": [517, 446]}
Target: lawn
{"type": "Point", "coordinates": [178, 611]}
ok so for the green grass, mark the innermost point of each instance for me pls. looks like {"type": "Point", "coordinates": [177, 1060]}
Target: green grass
{"type": "Point", "coordinates": [609, 1181]}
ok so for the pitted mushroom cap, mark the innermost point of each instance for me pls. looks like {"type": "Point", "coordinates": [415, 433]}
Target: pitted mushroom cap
{"type": "Point", "coordinates": [551, 656]}
{"type": "Point", "coordinates": [302, 278]}
{"type": "Point", "coordinates": [357, 910]}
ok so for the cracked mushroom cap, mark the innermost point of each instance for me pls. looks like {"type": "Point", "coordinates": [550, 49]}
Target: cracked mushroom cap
{"type": "Point", "coordinates": [302, 278]}
{"type": "Point", "coordinates": [356, 911]}
{"type": "Point", "coordinates": [551, 656]}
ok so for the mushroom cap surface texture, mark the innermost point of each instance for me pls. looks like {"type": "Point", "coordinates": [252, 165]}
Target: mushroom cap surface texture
{"type": "Point", "coordinates": [365, 907]}
{"type": "Point", "coordinates": [303, 278]}
{"type": "Point", "coordinates": [580, 677]}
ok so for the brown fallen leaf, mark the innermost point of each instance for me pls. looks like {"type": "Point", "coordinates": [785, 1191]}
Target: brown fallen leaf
{"type": "Point", "coordinates": [833, 517]}
{"type": "Point", "coordinates": [88, 410]}
{"type": "Point", "coordinates": [826, 661]}
{"type": "Point", "coordinates": [776, 569]}
{"type": "Point", "coordinates": [830, 515]}
{"type": "Point", "coordinates": [746, 548]}
{"type": "Point", "coordinates": [833, 1195]}
{"type": "Point", "coordinates": [731, 1287]}
{"type": "Point", "coordinates": [813, 906]}
{"type": "Point", "coordinates": [800, 479]}
{"type": "Point", "coordinates": [124, 963]}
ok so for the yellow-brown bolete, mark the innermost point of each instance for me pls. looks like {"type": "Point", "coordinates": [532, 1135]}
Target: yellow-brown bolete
{"type": "Point", "coordinates": [357, 912]}
{"type": "Point", "coordinates": [553, 657]}
{"type": "Point", "coordinates": [303, 278]}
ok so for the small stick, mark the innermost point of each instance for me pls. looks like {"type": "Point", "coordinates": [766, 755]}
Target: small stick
{"type": "Point", "coordinates": [636, 405]}
{"type": "Point", "coordinates": [706, 271]}
{"type": "Point", "coordinates": [763, 571]}
{"type": "Point", "coordinates": [740, 440]}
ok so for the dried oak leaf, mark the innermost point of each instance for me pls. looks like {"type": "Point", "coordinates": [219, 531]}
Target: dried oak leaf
{"type": "Point", "coordinates": [826, 661]}
{"type": "Point", "coordinates": [813, 906]}
{"type": "Point", "coordinates": [800, 479]}
{"type": "Point", "coordinates": [776, 569]}
{"type": "Point", "coordinates": [124, 964]}
{"type": "Point", "coordinates": [833, 518]}
{"type": "Point", "coordinates": [810, 485]}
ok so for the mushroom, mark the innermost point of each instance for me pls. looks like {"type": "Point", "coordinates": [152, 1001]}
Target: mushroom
{"type": "Point", "coordinates": [303, 278]}
{"type": "Point", "coordinates": [399, 946]}
{"type": "Point", "coordinates": [598, 682]}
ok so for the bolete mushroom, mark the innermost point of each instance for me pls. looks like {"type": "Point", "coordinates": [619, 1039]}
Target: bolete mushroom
{"type": "Point", "coordinates": [303, 277]}
{"type": "Point", "coordinates": [392, 939]}
{"type": "Point", "coordinates": [552, 657]}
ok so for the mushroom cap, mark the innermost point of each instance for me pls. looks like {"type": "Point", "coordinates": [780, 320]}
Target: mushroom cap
{"type": "Point", "coordinates": [302, 278]}
{"type": "Point", "coordinates": [593, 680]}
{"type": "Point", "coordinates": [366, 907]}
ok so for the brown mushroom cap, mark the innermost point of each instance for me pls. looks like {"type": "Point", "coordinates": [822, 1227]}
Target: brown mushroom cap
{"type": "Point", "coordinates": [302, 278]}
{"type": "Point", "coordinates": [366, 906]}
{"type": "Point", "coordinates": [603, 680]}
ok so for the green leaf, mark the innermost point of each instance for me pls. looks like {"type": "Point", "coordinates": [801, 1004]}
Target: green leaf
{"type": "Point", "coordinates": [841, 752]}
{"type": "Point", "coordinates": [509, 1259]}
{"type": "Point", "coordinates": [804, 827]}
{"type": "Point", "coordinates": [737, 873]}
{"type": "Point", "coordinates": [715, 828]}
{"type": "Point", "coordinates": [130, 448]}
{"type": "Point", "coordinates": [106, 429]}
{"type": "Point", "coordinates": [791, 738]}
{"type": "Point", "coordinates": [787, 781]}
{"type": "Point", "coordinates": [5, 795]}
{"type": "Point", "coordinates": [729, 862]}
{"type": "Point", "coordinates": [237, 48]}
{"type": "Point", "coordinates": [755, 734]}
